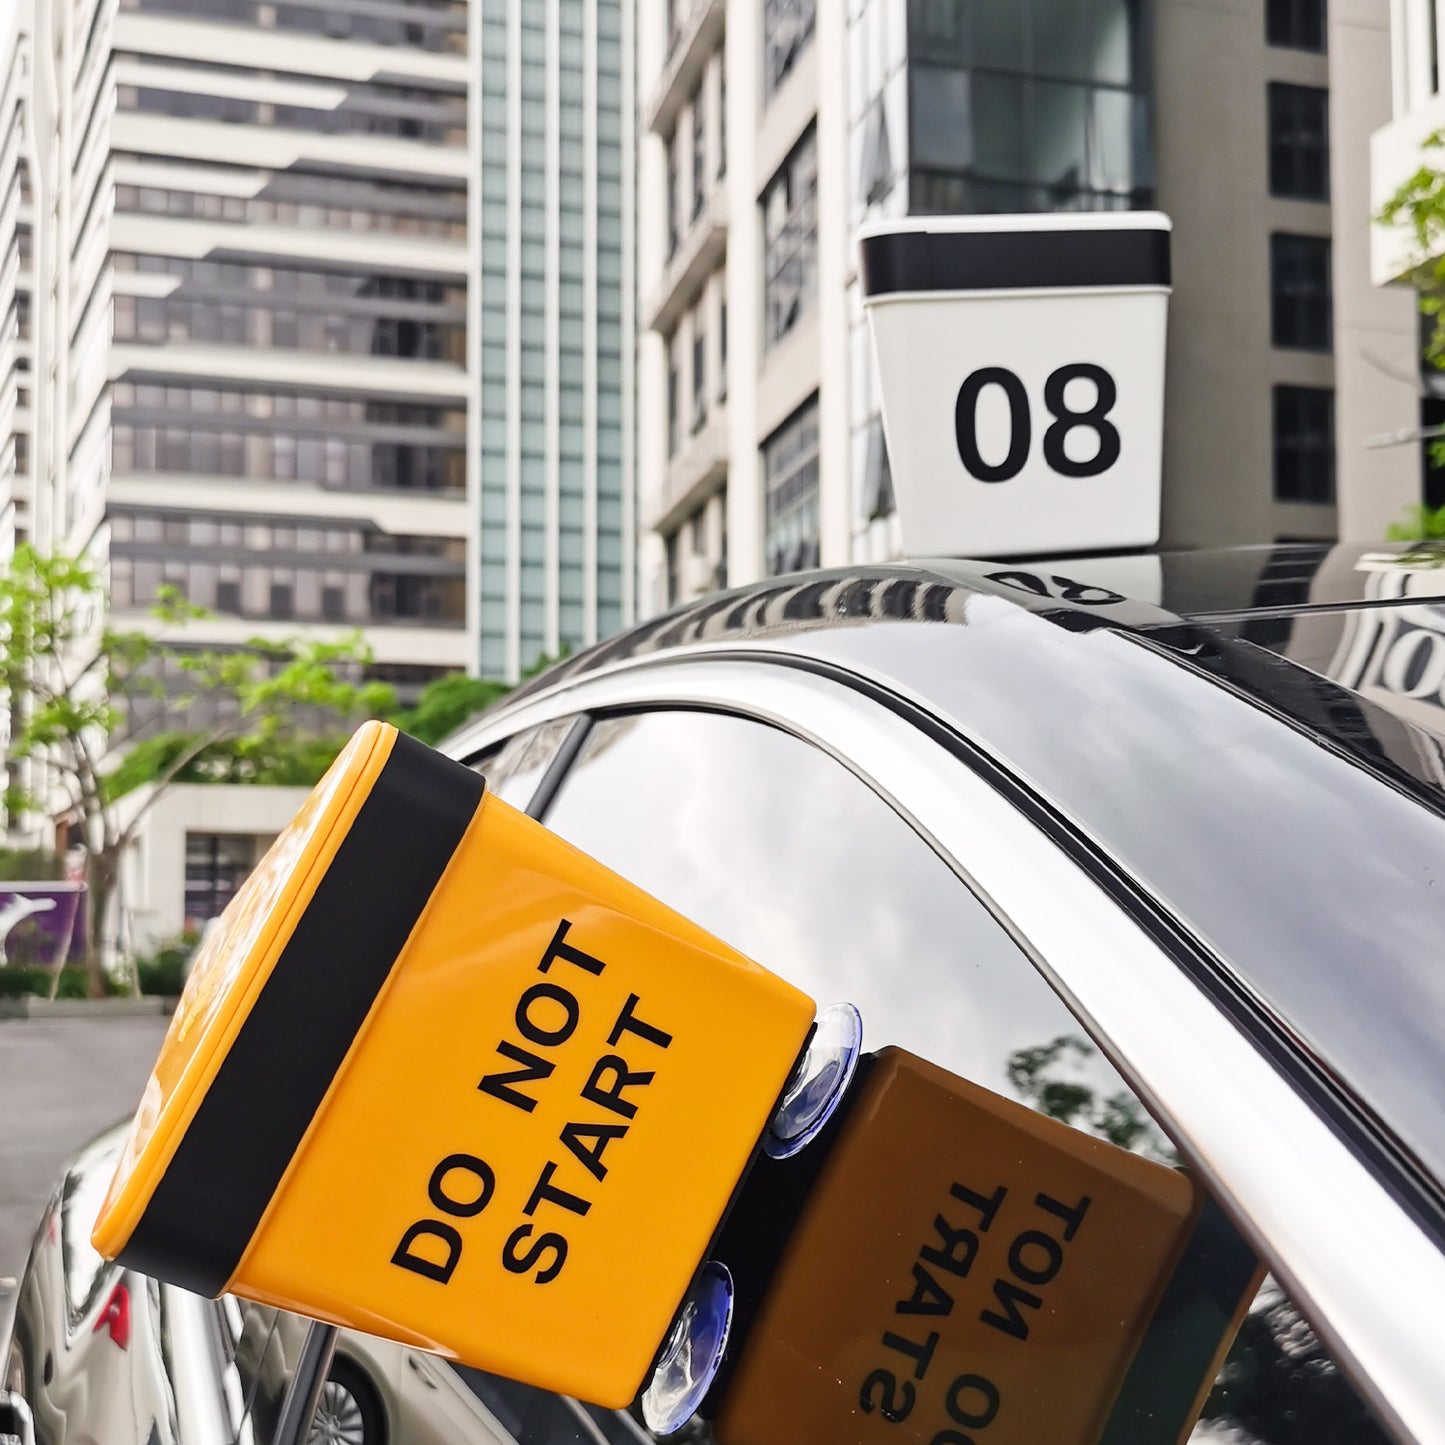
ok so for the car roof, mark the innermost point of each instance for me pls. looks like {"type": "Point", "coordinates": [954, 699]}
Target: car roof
{"type": "Point", "coordinates": [1289, 823]}
{"type": "Point", "coordinates": [1301, 601]}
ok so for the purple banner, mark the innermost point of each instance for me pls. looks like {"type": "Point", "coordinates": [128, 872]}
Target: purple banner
{"type": "Point", "coordinates": [37, 921]}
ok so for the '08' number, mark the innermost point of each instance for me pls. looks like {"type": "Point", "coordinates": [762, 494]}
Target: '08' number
{"type": "Point", "coordinates": [965, 422]}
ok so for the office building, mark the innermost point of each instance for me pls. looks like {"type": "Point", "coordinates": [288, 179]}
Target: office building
{"type": "Point", "coordinates": [248, 363]}
{"type": "Point", "coordinates": [16, 298]}
{"type": "Point", "coordinates": [552, 410]}
{"type": "Point", "coordinates": [775, 127]}
{"type": "Point", "coordinates": [252, 257]}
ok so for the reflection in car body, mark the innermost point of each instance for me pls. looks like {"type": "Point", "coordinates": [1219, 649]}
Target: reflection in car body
{"type": "Point", "coordinates": [1088, 834]}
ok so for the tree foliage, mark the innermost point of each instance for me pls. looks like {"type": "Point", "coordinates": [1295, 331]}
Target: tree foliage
{"type": "Point", "coordinates": [1418, 207]}
{"type": "Point", "coordinates": [1420, 524]}
{"type": "Point", "coordinates": [447, 703]}
{"type": "Point", "coordinates": [1278, 1385]}
{"type": "Point", "coordinates": [71, 682]}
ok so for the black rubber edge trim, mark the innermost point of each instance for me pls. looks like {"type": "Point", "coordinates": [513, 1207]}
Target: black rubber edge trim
{"type": "Point", "coordinates": [1201, 1308]}
{"type": "Point", "coordinates": [207, 1204]}
{"type": "Point", "coordinates": [998, 260]}
{"type": "Point", "coordinates": [557, 770]}
{"type": "Point", "coordinates": [1364, 1133]}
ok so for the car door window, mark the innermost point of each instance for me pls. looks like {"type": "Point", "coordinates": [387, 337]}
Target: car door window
{"type": "Point", "coordinates": [773, 846]}
{"type": "Point", "coordinates": [778, 849]}
{"type": "Point", "coordinates": [515, 769]}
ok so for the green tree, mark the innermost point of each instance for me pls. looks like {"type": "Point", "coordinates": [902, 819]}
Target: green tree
{"type": "Point", "coordinates": [1417, 207]}
{"type": "Point", "coordinates": [67, 678]}
{"type": "Point", "coordinates": [446, 703]}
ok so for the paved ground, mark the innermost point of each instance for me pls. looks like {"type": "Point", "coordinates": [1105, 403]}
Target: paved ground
{"type": "Point", "coordinates": [61, 1081]}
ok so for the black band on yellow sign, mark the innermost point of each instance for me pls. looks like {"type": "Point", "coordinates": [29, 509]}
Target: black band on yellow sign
{"type": "Point", "coordinates": [211, 1197]}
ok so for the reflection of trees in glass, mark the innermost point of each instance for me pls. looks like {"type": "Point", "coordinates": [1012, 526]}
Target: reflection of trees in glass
{"type": "Point", "coordinates": [1278, 1385]}
{"type": "Point", "coordinates": [1051, 1078]}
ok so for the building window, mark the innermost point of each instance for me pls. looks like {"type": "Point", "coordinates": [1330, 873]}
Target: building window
{"type": "Point", "coordinates": [790, 239]}
{"type": "Point", "coordinates": [672, 547]}
{"type": "Point", "coordinates": [673, 230]}
{"type": "Point", "coordinates": [699, 375]}
{"type": "Point", "coordinates": [790, 481]}
{"type": "Point", "coordinates": [1304, 444]}
{"type": "Point", "coordinates": [1299, 142]}
{"type": "Point", "coordinates": [282, 601]}
{"type": "Point", "coordinates": [878, 501]}
{"type": "Point", "coordinates": [787, 29]}
{"type": "Point", "coordinates": [1026, 105]}
{"type": "Point", "coordinates": [1295, 24]}
{"type": "Point", "coordinates": [722, 116]}
{"type": "Point", "coordinates": [722, 351]}
{"type": "Point", "coordinates": [876, 165]}
{"type": "Point", "coordinates": [697, 530]}
{"type": "Point", "coordinates": [1300, 300]}
{"type": "Point", "coordinates": [699, 156]}
{"type": "Point", "coordinates": [672, 397]}
{"type": "Point", "coordinates": [216, 866]}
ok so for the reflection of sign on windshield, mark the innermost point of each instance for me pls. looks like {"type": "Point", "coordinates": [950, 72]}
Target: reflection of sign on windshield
{"type": "Point", "coordinates": [1396, 650]}
{"type": "Point", "coordinates": [963, 1269]}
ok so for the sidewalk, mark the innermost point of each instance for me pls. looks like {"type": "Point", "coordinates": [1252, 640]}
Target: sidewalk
{"type": "Point", "coordinates": [28, 1007]}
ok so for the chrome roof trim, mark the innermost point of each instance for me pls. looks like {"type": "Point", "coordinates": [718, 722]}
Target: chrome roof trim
{"type": "Point", "coordinates": [1343, 1247]}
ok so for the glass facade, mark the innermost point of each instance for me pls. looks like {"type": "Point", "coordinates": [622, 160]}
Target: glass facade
{"type": "Point", "coordinates": [790, 483]}
{"type": "Point", "coordinates": [879, 87]}
{"type": "Point", "coordinates": [790, 240]}
{"type": "Point", "coordinates": [267, 568]}
{"type": "Point", "coordinates": [296, 308]}
{"type": "Point", "coordinates": [408, 112]}
{"type": "Point", "coordinates": [439, 25]}
{"type": "Point", "coordinates": [272, 435]}
{"type": "Point", "coordinates": [555, 333]}
{"type": "Point", "coordinates": [335, 202]}
{"type": "Point", "coordinates": [1028, 105]}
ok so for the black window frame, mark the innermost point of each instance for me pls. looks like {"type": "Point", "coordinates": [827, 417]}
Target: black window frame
{"type": "Point", "coordinates": [1297, 25]}
{"type": "Point", "coordinates": [1301, 295]}
{"type": "Point", "coordinates": [1299, 141]}
{"type": "Point", "coordinates": [1304, 454]}
{"type": "Point", "coordinates": [790, 462]}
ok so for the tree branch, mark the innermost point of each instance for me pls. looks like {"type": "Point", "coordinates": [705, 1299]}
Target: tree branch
{"type": "Point", "coordinates": [168, 775]}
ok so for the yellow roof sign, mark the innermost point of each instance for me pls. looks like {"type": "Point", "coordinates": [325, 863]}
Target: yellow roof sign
{"type": "Point", "coordinates": [441, 1077]}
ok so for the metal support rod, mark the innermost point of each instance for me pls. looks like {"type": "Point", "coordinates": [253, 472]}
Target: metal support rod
{"type": "Point", "coordinates": [304, 1391]}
